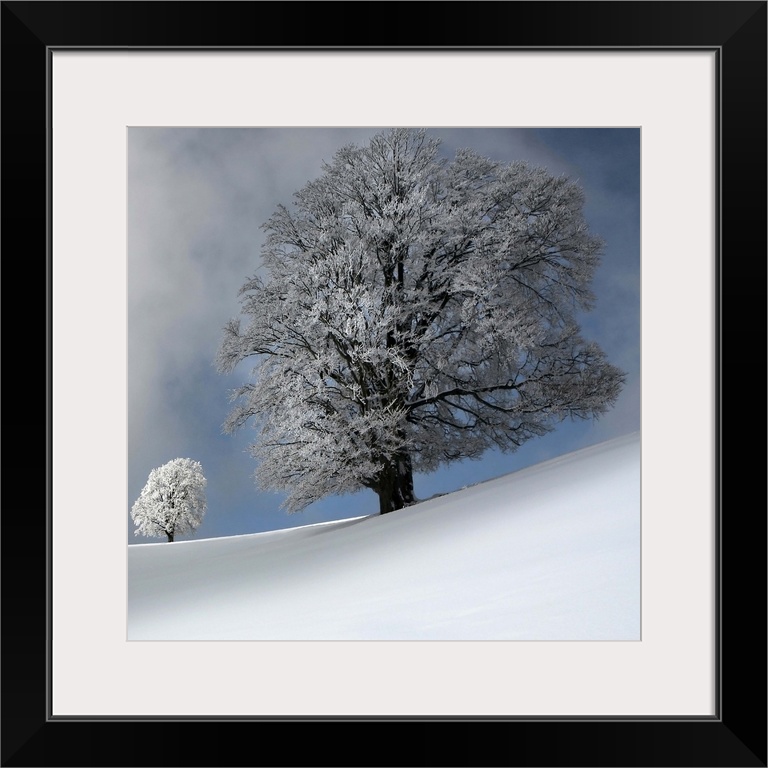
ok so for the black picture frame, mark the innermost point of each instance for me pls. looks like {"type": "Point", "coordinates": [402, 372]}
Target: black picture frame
{"type": "Point", "coordinates": [736, 735]}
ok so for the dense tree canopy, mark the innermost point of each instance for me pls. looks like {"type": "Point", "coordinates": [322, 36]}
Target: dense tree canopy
{"type": "Point", "coordinates": [172, 501]}
{"type": "Point", "coordinates": [412, 312]}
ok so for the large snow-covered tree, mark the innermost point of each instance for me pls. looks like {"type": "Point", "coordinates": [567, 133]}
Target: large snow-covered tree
{"type": "Point", "coordinates": [411, 312]}
{"type": "Point", "coordinates": [173, 500]}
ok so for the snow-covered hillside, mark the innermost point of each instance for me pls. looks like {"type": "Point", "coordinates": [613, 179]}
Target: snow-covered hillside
{"type": "Point", "coordinates": [551, 552]}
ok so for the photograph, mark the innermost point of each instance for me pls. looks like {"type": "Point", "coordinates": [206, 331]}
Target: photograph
{"type": "Point", "coordinates": [383, 383]}
{"type": "Point", "coordinates": [386, 383]}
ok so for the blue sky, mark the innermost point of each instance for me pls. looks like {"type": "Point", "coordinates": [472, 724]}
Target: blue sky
{"type": "Point", "coordinates": [197, 198]}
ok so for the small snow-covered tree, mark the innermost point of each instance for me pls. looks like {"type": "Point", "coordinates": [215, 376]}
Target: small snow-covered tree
{"type": "Point", "coordinates": [173, 500]}
{"type": "Point", "coordinates": [414, 311]}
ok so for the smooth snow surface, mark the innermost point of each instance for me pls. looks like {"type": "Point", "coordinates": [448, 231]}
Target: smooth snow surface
{"type": "Point", "coordinates": [551, 552]}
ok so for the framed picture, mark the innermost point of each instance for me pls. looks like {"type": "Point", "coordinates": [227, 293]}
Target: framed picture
{"type": "Point", "coordinates": [691, 77]}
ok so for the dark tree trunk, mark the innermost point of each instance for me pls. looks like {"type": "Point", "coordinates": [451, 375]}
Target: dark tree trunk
{"type": "Point", "coordinates": [395, 484]}
{"type": "Point", "coordinates": [169, 535]}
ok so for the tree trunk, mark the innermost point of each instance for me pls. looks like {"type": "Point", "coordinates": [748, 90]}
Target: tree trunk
{"type": "Point", "coordinates": [169, 535]}
{"type": "Point", "coordinates": [395, 484]}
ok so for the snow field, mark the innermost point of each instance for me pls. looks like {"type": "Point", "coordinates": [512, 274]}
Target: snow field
{"type": "Point", "coordinates": [551, 552]}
